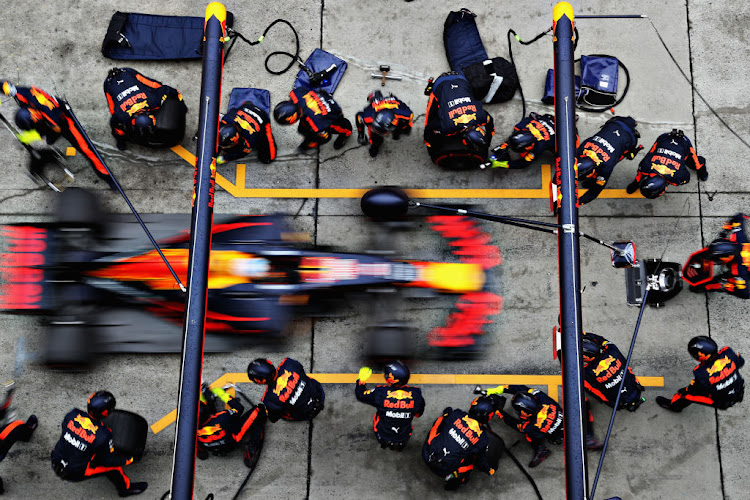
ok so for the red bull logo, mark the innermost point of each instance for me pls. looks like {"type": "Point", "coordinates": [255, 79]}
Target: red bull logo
{"type": "Point", "coordinates": [465, 119]}
{"type": "Point", "coordinates": [539, 131]}
{"type": "Point", "coordinates": [662, 169]}
{"type": "Point", "coordinates": [86, 423]}
{"type": "Point", "coordinates": [44, 98]}
{"type": "Point", "coordinates": [317, 106]}
{"type": "Point", "coordinates": [399, 399]}
{"type": "Point", "coordinates": [541, 417]}
{"type": "Point", "coordinates": [469, 428]}
{"type": "Point", "coordinates": [209, 430]}
{"type": "Point", "coordinates": [137, 107]}
{"type": "Point", "coordinates": [607, 365]}
{"type": "Point", "coordinates": [589, 153]}
{"type": "Point", "coordinates": [285, 384]}
{"type": "Point", "coordinates": [282, 381]}
{"type": "Point", "coordinates": [721, 369]}
{"type": "Point", "coordinates": [80, 431]}
{"type": "Point", "coordinates": [386, 104]}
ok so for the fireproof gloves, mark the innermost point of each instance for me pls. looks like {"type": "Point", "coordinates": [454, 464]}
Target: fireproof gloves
{"type": "Point", "coordinates": [364, 374]}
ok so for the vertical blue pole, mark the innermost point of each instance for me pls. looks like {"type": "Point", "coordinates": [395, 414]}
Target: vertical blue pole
{"type": "Point", "coordinates": [188, 404]}
{"type": "Point", "coordinates": [576, 474]}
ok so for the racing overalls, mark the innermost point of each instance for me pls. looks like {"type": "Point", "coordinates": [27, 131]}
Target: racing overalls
{"type": "Point", "coordinates": [130, 94]}
{"type": "Point", "coordinates": [455, 446]}
{"type": "Point", "coordinates": [616, 140]}
{"type": "Point", "coordinates": [86, 449]}
{"type": "Point", "coordinates": [292, 395]}
{"type": "Point", "coordinates": [396, 408]}
{"type": "Point", "coordinates": [541, 132]}
{"type": "Point", "coordinates": [545, 425]}
{"type": "Point", "coordinates": [451, 108]}
{"type": "Point", "coordinates": [602, 376]}
{"type": "Point", "coordinates": [12, 431]}
{"type": "Point", "coordinates": [221, 432]}
{"type": "Point", "coordinates": [52, 121]}
{"type": "Point", "coordinates": [736, 280]}
{"type": "Point", "coordinates": [321, 116]}
{"type": "Point", "coordinates": [670, 157]}
{"type": "Point", "coordinates": [254, 127]}
{"type": "Point", "coordinates": [716, 382]}
{"type": "Point", "coordinates": [377, 103]}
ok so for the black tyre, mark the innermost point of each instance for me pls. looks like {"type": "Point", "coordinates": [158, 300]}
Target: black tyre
{"type": "Point", "coordinates": [390, 340]}
{"type": "Point", "coordinates": [69, 346]}
{"type": "Point", "coordinates": [495, 450]}
{"type": "Point", "coordinates": [79, 208]}
{"type": "Point", "coordinates": [129, 433]}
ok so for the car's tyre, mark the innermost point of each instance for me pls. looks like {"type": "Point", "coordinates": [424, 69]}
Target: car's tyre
{"type": "Point", "coordinates": [129, 433]}
{"type": "Point", "coordinates": [390, 340]}
{"type": "Point", "coordinates": [495, 450]}
{"type": "Point", "coordinates": [79, 208]}
{"type": "Point", "coordinates": [68, 346]}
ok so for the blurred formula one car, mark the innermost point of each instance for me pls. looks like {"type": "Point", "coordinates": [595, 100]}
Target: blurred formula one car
{"type": "Point", "coordinates": [103, 297]}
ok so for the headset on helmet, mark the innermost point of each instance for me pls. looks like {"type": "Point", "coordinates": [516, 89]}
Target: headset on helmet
{"type": "Point", "coordinates": [702, 347]}
{"type": "Point", "coordinates": [374, 96]}
{"type": "Point", "coordinates": [229, 136]}
{"type": "Point", "coordinates": [286, 113]}
{"type": "Point", "coordinates": [586, 167]}
{"type": "Point", "coordinates": [590, 348]}
{"type": "Point", "coordinates": [261, 371]}
{"type": "Point", "coordinates": [100, 404]}
{"type": "Point", "coordinates": [473, 138]}
{"type": "Point", "coordinates": [24, 120]}
{"type": "Point", "coordinates": [677, 133]}
{"type": "Point", "coordinates": [396, 373]}
{"type": "Point", "coordinates": [523, 402]}
{"type": "Point", "coordinates": [481, 409]}
{"type": "Point", "coordinates": [722, 249]}
{"type": "Point", "coordinates": [384, 122]}
{"type": "Point", "coordinates": [653, 187]}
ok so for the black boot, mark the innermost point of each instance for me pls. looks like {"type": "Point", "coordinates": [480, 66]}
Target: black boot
{"type": "Point", "coordinates": [666, 404]}
{"type": "Point", "coordinates": [135, 489]}
{"type": "Point", "coordinates": [541, 456]}
{"type": "Point", "coordinates": [592, 443]}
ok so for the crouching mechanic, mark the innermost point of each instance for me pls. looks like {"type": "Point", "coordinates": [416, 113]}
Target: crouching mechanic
{"type": "Point", "coordinates": [319, 117]}
{"type": "Point", "coordinates": [291, 394]}
{"type": "Point", "coordinates": [458, 442]}
{"type": "Point", "coordinates": [12, 430]}
{"type": "Point", "coordinates": [382, 117]}
{"type": "Point", "coordinates": [539, 418]}
{"type": "Point", "coordinates": [244, 130]}
{"type": "Point", "coordinates": [457, 129]}
{"type": "Point", "coordinates": [731, 250]}
{"type": "Point", "coordinates": [598, 155]}
{"type": "Point", "coordinates": [219, 432]}
{"type": "Point", "coordinates": [86, 448]}
{"type": "Point", "coordinates": [143, 110]}
{"type": "Point", "coordinates": [604, 369]}
{"type": "Point", "coordinates": [716, 380]}
{"type": "Point", "coordinates": [531, 137]}
{"type": "Point", "coordinates": [397, 404]}
{"type": "Point", "coordinates": [667, 163]}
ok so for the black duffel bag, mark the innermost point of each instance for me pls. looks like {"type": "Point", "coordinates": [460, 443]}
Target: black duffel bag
{"type": "Point", "coordinates": [492, 80]}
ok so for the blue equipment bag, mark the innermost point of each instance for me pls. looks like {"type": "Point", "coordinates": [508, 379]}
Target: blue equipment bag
{"type": "Point", "coordinates": [259, 97]}
{"type": "Point", "coordinates": [549, 87]}
{"type": "Point", "coordinates": [148, 37]}
{"type": "Point", "coordinates": [463, 45]}
{"type": "Point", "coordinates": [325, 70]}
{"type": "Point", "coordinates": [599, 80]}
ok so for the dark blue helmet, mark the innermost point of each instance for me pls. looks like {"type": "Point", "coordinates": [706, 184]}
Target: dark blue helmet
{"type": "Point", "coordinates": [722, 249]}
{"type": "Point", "coordinates": [143, 120]}
{"type": "Point", "coordinates": [396, 373]}
{"type": "Point", "coordinates": [286, 113]}
{"type": "Point", "coordinates": [229, 136]}
{"type": "Point", "coordinates": [384, 122]}
{"type": "Point", "coordinates": [521, 141]}
{"type": "Point", "coordinates": [586, 168]}
{"type": "Point", "coordinates": [525, 403]}
{"type": "Point", "coordinates": [653, 187]}
{"type": "Point", "coordinates": [101, 404]}
{"type": "Point", "coordinates": [261, 371]}
{"type": "Point", "coordinates": [24, 121]}
{"type": "Point", "coordinates": [473, 138]}
{"type": "Point", "coordinates": [702, 347]}
{"type": "Point", "coordinates": [590, 348]}
{"type": "Point", "coordinates": [481, 409]}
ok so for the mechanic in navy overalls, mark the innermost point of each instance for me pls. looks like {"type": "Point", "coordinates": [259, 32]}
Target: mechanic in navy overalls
{"type": "Point", "coordinates": [290, 394]}
{"type": "Point", "coordinates": [219, 432]}
{"type": "Point", "coordinates": [598, 155]}
{"type": "Point", "coordinates": [397, 404]}
{"type": "Point", "coordinates": [243, 130]}
{"type": "Point", "coordinates": [731, 250]}
{"type": "Point", "coordinates": [531, 137]}
{"type": "Point", "coordinates": [604, 369]}
{"type": "Point", "coordinates": [382, 117]}
{"type": "Point", "coordinates": [667, 163]}
{"type": "Point", "coordinates": [133, 100]}
{"type": "Point", "coordinates": [42, 112]}
{"type": "Point", "coordinates": [716, 380]}
{"type": "Point", "coordinates": [86, 447]}
{"type": "Point", "coordinates": [319, 117]}
{"type": "Point", "coordinates": [452, 111]}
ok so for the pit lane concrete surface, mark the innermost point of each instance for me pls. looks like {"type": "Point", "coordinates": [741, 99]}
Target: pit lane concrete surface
{"type": "Point", "coordinates": [653, 454]}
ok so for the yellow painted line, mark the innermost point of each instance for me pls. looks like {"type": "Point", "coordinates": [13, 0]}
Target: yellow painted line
{"type": "Point", "coordinates": [551, 381]}
{"type": "Point", "coordinates": [184, 154]}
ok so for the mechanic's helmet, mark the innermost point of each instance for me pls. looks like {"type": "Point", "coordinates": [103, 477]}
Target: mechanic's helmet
{"type": "Point", "coordinates": [525, 404]}
{"type": "Point", "coordinates": [586, 168]}
{"type": "Point", "coordinates": [374, 96]}
{"type": "Point", "coordinates": [653, 187]}
{"type": "Point", "coordinates": [396, 373]}
{"type": "Point", "coordinates": [101, 403]}
{"type": "Point", "coordinates": [143, 121]}
{"type": "Point", "coordinates": [286, 113]}
{"type": "Point", "coordinates": [113, 73]}
{"type": "Point", "coordinates": [702, 347]}
{"type": "Point", "coordinates": [24, 121]}
{"type": "Point", "coordinates": [590, 349]}
{"type": "Point", "coordinates": [261, 371]}
{"type": "Point", "coordinates": [679, 134]}
{"type": "Point", "coordinates": [473, 138]}
{"type": "Point", "coordinates": [384, 122]}
{"type": "Point", "coordinates": [229, 136]}
{"type": "Point", "coordinates": [722, 250]}
{"type": "Point", "coordinates": [521, 141]}
{"type": "Point", "coordinates": [481, 409]}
